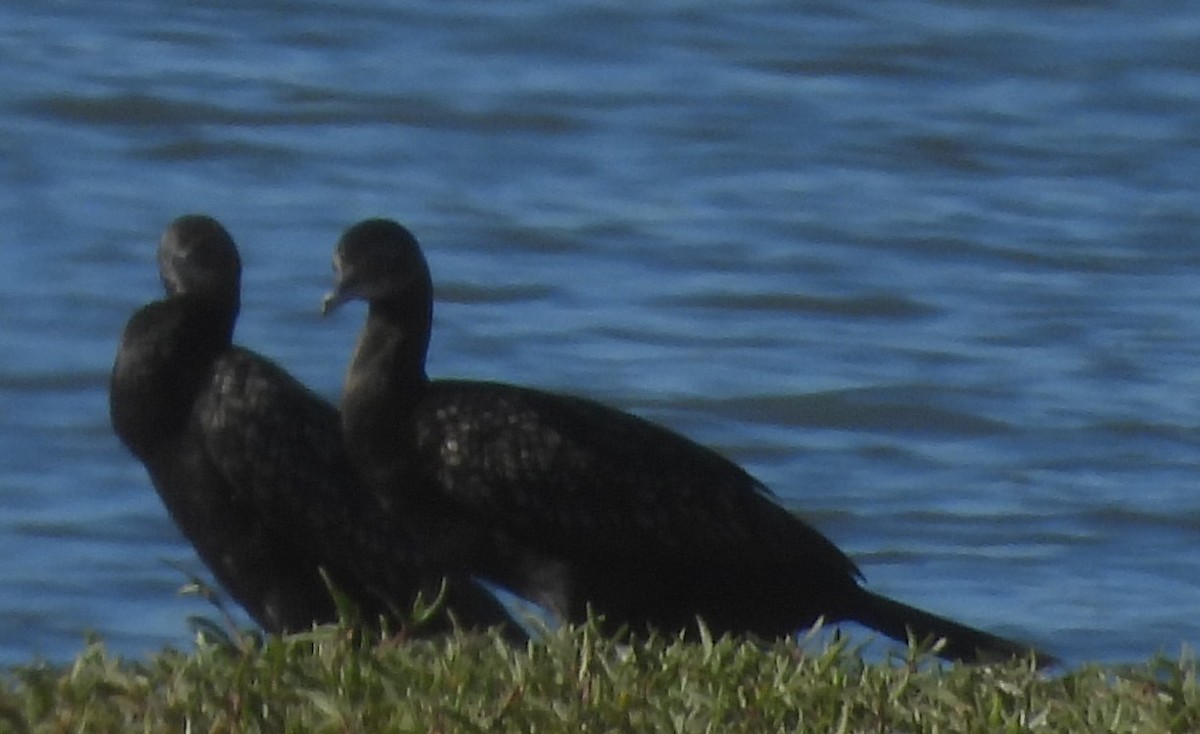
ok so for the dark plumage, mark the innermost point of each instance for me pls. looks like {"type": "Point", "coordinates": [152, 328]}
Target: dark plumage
{"type": "Point", "coordinates": [250, 464]}
{"type": "Point", "coordinates": [571, 503]}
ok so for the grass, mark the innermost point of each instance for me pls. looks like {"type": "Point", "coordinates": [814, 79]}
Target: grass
{"type": "Point", "coordinates": [575, 680]}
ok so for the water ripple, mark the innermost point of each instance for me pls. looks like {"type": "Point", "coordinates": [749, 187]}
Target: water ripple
{"type": "Point", "coordinates": [883, 306]}
{"type": "Point", "coordinates": [929, 269]}
{"type": "Point", "coordinates": [890, 410]}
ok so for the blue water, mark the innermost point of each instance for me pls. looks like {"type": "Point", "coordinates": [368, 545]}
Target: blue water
{"type": "Point", "coordinates": [930, 270]}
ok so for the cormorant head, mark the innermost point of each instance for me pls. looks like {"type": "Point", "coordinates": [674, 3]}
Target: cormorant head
{"type": "Point", "coordinates": [378, 260]}
{"type": "Point", "coordinates": [197, 256]}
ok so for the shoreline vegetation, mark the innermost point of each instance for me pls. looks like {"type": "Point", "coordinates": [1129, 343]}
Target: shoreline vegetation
{"type": "Point", "coordinates": [572, 679]}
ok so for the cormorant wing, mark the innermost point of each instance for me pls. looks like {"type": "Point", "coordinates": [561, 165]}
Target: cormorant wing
{"type": "Point", "coordinates": [574, 474]}
{"type": "Point", "coordinates": [280, 445]}
{"type": "Point", "coordinates": [162, 367]}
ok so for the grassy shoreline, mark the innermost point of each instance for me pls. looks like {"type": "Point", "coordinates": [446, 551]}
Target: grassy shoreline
{"type": "Point", "coordinates": [575, 680]}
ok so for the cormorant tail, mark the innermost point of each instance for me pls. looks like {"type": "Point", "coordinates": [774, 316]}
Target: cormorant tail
{"type": "Point", "coordinates": [899, 621]}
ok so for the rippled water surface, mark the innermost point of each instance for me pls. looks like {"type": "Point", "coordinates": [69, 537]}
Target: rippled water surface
{"type": "Point", "coordinates": [929, 270]}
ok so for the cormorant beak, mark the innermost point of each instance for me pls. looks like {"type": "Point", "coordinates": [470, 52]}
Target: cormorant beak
{"type": "Point", "coordinates": [333, 299]}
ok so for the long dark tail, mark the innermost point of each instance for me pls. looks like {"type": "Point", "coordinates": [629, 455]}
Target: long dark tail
{"type": "Point", "coordinates": [963, 643]}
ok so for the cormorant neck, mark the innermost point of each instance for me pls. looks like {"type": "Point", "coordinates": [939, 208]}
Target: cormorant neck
{"type": "Point", "coordinates": [399, 331]}
{"type": "Point", "coordinates": [164, 359]}
{"type": "Point", "coordinates": [228, 311]}
{"type": "Point", "coordinates": [217, 313]}
{"type": "Point", "coordinates": [385, 381]}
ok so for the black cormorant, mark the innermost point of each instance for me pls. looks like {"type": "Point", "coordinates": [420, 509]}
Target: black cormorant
{"type": "Point", "coordinates": [572, 504]}
{"type": "Point", "coordinates": [251, 464]}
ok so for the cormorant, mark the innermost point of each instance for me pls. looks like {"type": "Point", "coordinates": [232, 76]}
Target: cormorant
{"type": "Point", "coordinates": [251, 464]}
{"type": "Point", "coordinates": [573, 504]}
